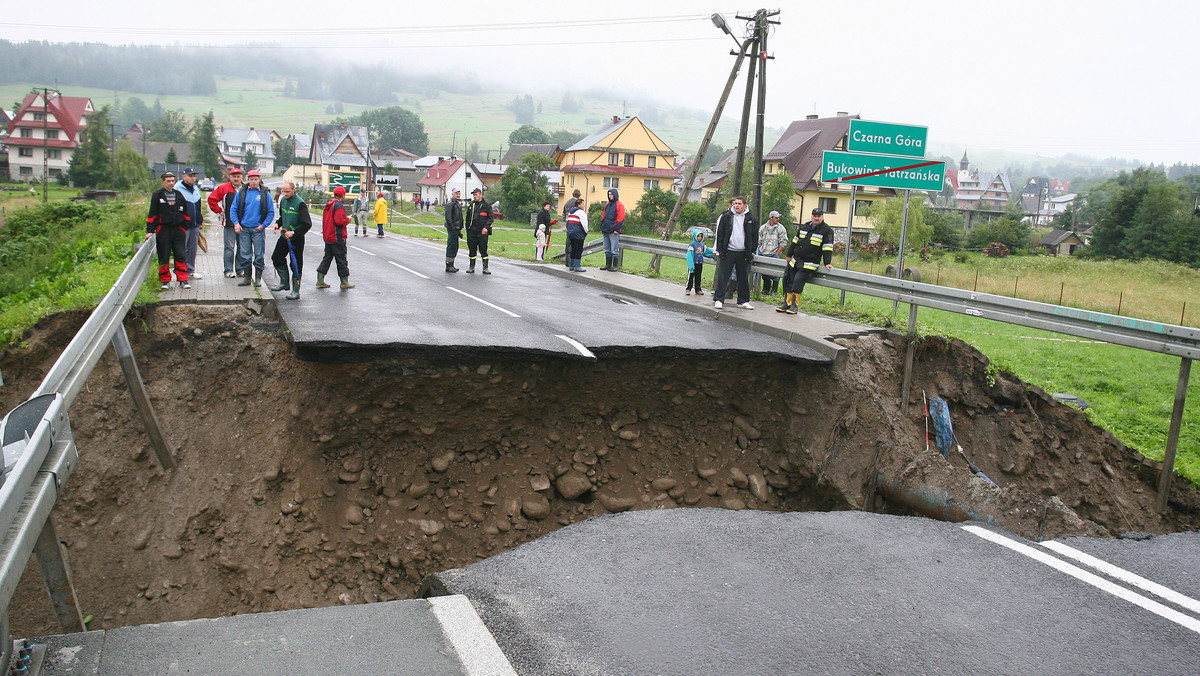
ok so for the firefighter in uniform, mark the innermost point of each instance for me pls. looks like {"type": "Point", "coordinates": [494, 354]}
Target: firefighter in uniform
{"type": "Point", "coordinates": [811, 247]}
{"type": "Point", "coordinates": [479, 226]}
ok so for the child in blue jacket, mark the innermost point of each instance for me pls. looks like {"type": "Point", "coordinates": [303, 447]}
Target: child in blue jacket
{"type": "Point", "coordinates": [697, 252]}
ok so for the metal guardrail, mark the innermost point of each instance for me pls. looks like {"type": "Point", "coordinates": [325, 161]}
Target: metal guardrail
{"type": "Point", "coordinates": [1179, 341]}
{"type": "Point", "coordinates": [1171, 339]}
{"type": "Point", "coordinates": [40, 454]}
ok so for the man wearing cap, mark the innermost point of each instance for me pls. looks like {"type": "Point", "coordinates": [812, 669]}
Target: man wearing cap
{"type": "Point", "coordinates": [772, 238]}
{"type": "Point", "coordinates": [251, 212]}
{"type": "Point", "coordinates": [167, 223]}
{"type": "Point", "coordinates": [479, 226]}
{"type": "Point", "coordinates": [333, 228]}
{"type": "Point", "coordinates": [381, 214]}
{"type": "Point", "coordinates": [191, 194]}
{"type": "Point", "coordinates": [736, 242]}
{"type": "Point", "coordinates": [454, 226]}
{"type": "Point", "coordinates": [811, 247]}
{"type": "Point", "coordinates": [218, 203]}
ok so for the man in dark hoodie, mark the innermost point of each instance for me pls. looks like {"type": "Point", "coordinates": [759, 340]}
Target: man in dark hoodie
{"type": "Point", "coordinates": [454, 225]}
{"type": "Point", "coordinates": [611, 222]}
{"type": "Point", "coordinates": [737, 239]}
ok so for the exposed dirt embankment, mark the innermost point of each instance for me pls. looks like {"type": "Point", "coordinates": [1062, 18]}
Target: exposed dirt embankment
{"type": "Point", "coordinates": [303, 484]}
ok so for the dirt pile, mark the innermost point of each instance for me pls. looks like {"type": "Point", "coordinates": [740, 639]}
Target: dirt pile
{"type": "Point", "coordinates": [303, 484]}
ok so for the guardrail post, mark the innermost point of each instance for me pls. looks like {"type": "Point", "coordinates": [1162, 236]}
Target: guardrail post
{"type": "Point", "coordinates": [58, 580]}
{"type": "Point", "coordinates": [133, 378]}
{"type": "Point", "coordinates": [1168, 466]}
{"type": "Point", "coordinates": [908, 356]}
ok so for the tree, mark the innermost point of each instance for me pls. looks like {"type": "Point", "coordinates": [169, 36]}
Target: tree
{"type": "Point", "coordinates": [693, 214]}
{"type": "Point", "coordinates": [131, 169]}
{"type": "Point", "coordinates": [655, 205]}
{"type": "Point", "coordinates": [91, 164]}
{"type": "Point", "coordinates": [522, 109]}
{"type": "Point", "coordinates": [172, 158]}
{"type": "Point", "coordinates": [251, 160]}
{"type": "Point", "coordinates": [568, 105]}
{"type": "Point", "coordinates": [203, 144]}
{"type": "Point", "coordinates": [1119, 213]}
{"type": "Point", "coordinates": [947, 227]}
{"type": "Point", "coordinates": [285, 153]}
{"type": "Point", "coordinates": [1159, 213]}
{"type": "Point", "coordinates": [711, 155]}
{"type": "Point", "coordinates": [392, 127]}
{"type": "Point", "coordinates": [1010, 232]}
{"type": "Point", "coordinates": [778, 192]}
{"type": "Point", "coordinates": [889, 215]}
{"type": "Point", "coordinates": [566, 139]}
{"type": "Point", "coordinates": [528, 133]}
{"type": "Point", "coordinates": [524, 187]}
{"type": "Point", "coordinates": [172, 127]}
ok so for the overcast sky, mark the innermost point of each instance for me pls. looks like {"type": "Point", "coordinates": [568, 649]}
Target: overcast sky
{"type": "Point", "coordinates": [1102, 78]}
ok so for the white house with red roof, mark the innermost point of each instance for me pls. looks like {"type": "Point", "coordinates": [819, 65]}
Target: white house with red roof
{"type": "Point", "coordinates": [448, 174]}
{"type": "Point", "coordinates": [44, 134]}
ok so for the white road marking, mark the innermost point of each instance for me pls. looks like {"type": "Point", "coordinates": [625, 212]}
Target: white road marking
{"type": "Point", "coordinates": [491, 305]}
{"type": "Point", "coordinates": [577, 345]}
{"type": "Point", "coordinates": [362, 250]}
{"type": "Point", "coordinates": [1090, 578]}
{"type": "Point", "coordinates": [408, 270]}
{"type": "Point", "coordinates": [1124, 575]}
{"type": "Point", "coordinates": [473, 644]}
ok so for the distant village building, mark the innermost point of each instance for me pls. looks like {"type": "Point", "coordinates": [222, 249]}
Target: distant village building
{"type": "Point", "coordinates": [43, 135]}
{"type": "Point", "coordinates": [711, 181]}
{"type": "Point", "coordinates": [623, 154]}
{"type": "Point", "coordinates": [981, 191]}
{"type": "Point", "coordinates": [340, 151]}
{"type": "Point", "coordinates": [449, 173]}
{"type": "Point", "coordinates": [1061, 242]}
{"type": "Point", "coordinates": [233, 144]}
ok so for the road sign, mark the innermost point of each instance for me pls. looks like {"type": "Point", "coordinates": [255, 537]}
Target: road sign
{"type": "Point", "coordinates": [882, 171]}
{"type": "Point", "coordinates": [886, 138]}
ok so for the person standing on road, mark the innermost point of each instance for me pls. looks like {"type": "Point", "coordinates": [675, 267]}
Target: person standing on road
{"type": "Point", "coordinates": [577, 229]}
{"type": "Point", "coordinates": [737, 239]}
{"type": "Point", "coordinates": [772, 238]}
{"type": "Point", "coordinates": [294, 221]}
{"type": "Point", "coordinates": [479, 226]}
{"type": "Point", "coordinates": [381, 213]}
{"type": "Point", "coordinates": [811, 247]}
{"type": "Point", "coordinates": [251, 212]}
{"type": "Point", "coordinates": [697, 252]}
{"type": "Point", "coordinates": [611, 222]}
{"type": "Point", "coordinates": [543, 218]}
{"type": "Point", "coordinates": [454, 225]}
{"type": "Point", "coordinates": [218, 203]}
{"type": "Point", "coordinates": [192, 195]}
{"type": "Point", "coordinates": [333, 228]}
{"type": "Point", "coordinates": [362, 205]}
{"type": "Point", "coordinates": [167, 223]}
{"type": "Point", "coordinates": [575, 201]}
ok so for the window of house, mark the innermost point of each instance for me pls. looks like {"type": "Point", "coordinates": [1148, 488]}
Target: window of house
{"type": "Point", "coordinates": [572, 181]}
{"type": "Point", "coordinates": [651, 161]}
{"type": "Point", "coordinates": [612, 182]}
{"type": "Point", "coordinates": [39, 117]}
{"type": "Point", "coordinates": [55, 172]}
{"type": "Point", "coordinates": [828, 204]}
{"type": "Point", "coordinates": [26, 132]}
{"type": "Point", "coordinates": [629, 159]}
{"type": "Point", "coordinates": [52, 134]}
{"type": "Point", "coordinates": [649, 184]}
{"type": "Point", "coordinates": [468, 174]}
{"type": "Point", "coordinates": [861, 205]}
{"type": "Point", "coordinates": [26, 171]}
{"type": "Point", "coordinates": [613, 158]}
{"type": "Point", "coordinates": [55, 154]}
{"type": "Point", "coordinates": [25, 152]}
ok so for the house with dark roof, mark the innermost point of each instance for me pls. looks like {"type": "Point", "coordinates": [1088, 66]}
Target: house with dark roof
{"type": "Point", "coordinates": [799, 152]}
{"type": "Point", "coordinates": [44, 134]}
{"type": "Point", "coordinates": [518, 150]}
{"type": "Point", "coordinates": [981, 191]}
{"type": "Point", "coordinates": [1061, 242]}
{"type": "Point", "coordinates": [448, 174]}
{"type": "Point", "coordinates": [623, 154]}
{"type": "Point", "coordinates": [235, 142]}
{"type": "Point", "coordinates": [341, 151]}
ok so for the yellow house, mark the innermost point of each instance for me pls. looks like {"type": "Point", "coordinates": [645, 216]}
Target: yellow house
{"type": "Point", "coordinates": [798, 152]}
{"type": "Point", "coordinates": [623, 154]}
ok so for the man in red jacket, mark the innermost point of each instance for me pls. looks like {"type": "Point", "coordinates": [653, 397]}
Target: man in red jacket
{"type": "Point", "coordinates": [218, 203]}
{"type": "Point", "coordinates": [333, 226]}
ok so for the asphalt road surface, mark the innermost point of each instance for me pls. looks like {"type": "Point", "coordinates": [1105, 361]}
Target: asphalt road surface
{"type": "Point", "coordinates": [405, 304]}
{"type": "Point", "coordinates": [706, 591]}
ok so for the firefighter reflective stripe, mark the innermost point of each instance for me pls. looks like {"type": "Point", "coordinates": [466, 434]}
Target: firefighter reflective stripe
{"type": "Point", "coordinates": [828, 246]}
{"type": "Point", "coordinates": [815, 238]}
{"type": "Point", "coordinates": [810, 266]}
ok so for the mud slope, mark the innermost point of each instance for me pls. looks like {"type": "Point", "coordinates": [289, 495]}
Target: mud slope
{"type": "Point", "coordinates": [305, 484]}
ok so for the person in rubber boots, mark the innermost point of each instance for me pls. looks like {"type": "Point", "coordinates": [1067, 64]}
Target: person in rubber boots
{"type": "Point", "coordinates": [333, 228]}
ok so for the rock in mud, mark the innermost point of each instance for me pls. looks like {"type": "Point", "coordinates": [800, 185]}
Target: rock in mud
{"type": "Point", "coordinates": [536, 507]}
{"type": "Point", "coordinates": [616, 503]}
{"type": "Point", "coordinates": [442, 462]}
{"type": "Point", "coordinates": [758, 487]}
{"type": "Point", "coordinates": [572, 484]}
{"type": "Point", "coordinates": [663, 483]}
{"type": "Point", "coordinates": [747, 428]}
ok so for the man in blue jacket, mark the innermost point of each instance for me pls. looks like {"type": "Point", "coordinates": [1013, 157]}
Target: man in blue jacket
{"type": "Point", "coordinates": [251, 212]}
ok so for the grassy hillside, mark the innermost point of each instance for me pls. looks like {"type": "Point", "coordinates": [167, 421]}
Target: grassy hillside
{"type": "Point", "coordinates": [477, 118]}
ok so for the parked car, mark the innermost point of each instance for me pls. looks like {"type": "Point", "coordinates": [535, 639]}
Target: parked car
{"type": "Point", "coordinates": [208, 185]}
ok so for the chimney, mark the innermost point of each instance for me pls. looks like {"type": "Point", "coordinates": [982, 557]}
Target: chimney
{"type": "Point", "coordinates": [810, 117]}
{"type": "Point", "coordinates": [843, 114]}
{"type": "Point", "coordinates": [616, 119]}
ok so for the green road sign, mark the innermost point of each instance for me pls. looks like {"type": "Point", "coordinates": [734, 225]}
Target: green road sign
{"type": "Point", "coordinates": [886, 138]}
{"type": "Point", "coordinates": [882, 171]}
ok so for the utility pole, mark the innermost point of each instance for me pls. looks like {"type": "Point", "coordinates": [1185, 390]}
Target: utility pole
{"type": "Point", "coordinates": [112, 149]}
{"type": "Point", "coordinates": [45, 91]}
{"type": "Point", "coordinates": [761, 26]}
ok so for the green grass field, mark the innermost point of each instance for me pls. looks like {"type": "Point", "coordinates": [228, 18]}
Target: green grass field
{"type": "Point", "coordinates": [450, 119]}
